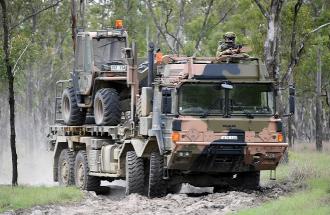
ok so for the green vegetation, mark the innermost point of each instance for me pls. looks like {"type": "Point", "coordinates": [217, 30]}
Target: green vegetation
{"type": "Point", "coordinates": [306, 168]}
{"type": "Point", "coordinates": [12, 198]}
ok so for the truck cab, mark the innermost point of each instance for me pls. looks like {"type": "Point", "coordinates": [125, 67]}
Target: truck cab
{"type": "Point", "coordinates": [215, 120]}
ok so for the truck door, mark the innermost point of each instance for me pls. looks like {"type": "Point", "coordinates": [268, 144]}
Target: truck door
{"type": "Point", "coordinates": [83, 66]}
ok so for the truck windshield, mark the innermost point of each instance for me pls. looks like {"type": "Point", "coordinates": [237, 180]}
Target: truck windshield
{"type": "Point", "coordinates": [251, 99]}
{"type": "Point", "coordinates": [108, 51]}
{"type": "Point", "coordinates": [201, 99]}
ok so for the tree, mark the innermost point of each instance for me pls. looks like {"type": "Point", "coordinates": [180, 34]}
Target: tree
{"type": "Point", "coordinates": [318, 104]}
{"type": "Point", "coordinates": [11, 97]}
{"type": "Point", "coordinates": [298, 24]}
{"type": "Point", "coordinates": [7, 34]}
{"type": "Point", "coordinates": [271, 45]}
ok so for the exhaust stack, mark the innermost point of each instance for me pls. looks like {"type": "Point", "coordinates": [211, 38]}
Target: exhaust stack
{"type": "Point", "coordinates": [150, 63]}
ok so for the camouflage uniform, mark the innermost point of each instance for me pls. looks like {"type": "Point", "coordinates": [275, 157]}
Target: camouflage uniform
{"type": "Point", "coordinates": [226, 47]}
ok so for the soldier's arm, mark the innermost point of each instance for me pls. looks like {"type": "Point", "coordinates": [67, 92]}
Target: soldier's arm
{"type": "Point", "coordinates": [218, 51]}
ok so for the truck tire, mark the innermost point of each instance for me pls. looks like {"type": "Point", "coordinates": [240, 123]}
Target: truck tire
{"type": "Point", "coordinates": [249, 180]}
{"type": "Point", "coordinates": [66, 168]}
{"type": "Point", "coordinates": [134, 173]}
{"type": "Point", "coordinates": [107, 107]}
{"type": "Point", "coordinates": [156, 185]}
{"type": "Point", "coordinates": [81, 170]}
{"type": "Point", "coordinates": [71, 113]}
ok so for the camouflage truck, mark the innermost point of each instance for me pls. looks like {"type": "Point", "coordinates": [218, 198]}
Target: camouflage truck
{"type": "Point", "coordinates": [202, 121]}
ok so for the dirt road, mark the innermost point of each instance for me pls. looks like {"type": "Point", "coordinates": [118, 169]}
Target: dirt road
{"type": "Point", "coordinates": [190, 200]}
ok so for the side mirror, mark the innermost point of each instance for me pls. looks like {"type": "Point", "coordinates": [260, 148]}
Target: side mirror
{"type": "Point", "coordinates": [128, 52]}
{"type": "Point", "coordinates": [292, 102]}
{"type": "Point", "coordinates": [227, 86]}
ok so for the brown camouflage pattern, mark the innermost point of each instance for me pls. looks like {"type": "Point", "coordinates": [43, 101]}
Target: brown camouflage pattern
{"type": "Point", "coordinates": [257, 146]}
{"type": "Point", "coordinates": [260, 139]}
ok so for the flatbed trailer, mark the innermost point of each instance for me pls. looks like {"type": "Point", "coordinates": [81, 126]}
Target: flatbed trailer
{"type": "Point", "coordinates": [113, 132]}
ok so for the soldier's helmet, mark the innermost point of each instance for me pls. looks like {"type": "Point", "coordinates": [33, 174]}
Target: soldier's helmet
{"type": "Point", "coordinates": [229, 37]}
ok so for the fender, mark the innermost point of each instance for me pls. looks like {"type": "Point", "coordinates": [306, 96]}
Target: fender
{"type": "Point", "coordinates": [142, 147]}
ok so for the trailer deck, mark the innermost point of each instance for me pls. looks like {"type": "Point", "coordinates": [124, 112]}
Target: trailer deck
{"type": "Point", "coordinates": [115, 132]}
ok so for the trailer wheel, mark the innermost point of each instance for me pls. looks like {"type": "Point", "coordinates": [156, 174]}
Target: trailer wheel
{"type": "Point", "coordinates": [134, 173]}
{"type": "Point", "coordinates": [82, 179]}
{"type": "Point", "coordinates": [71, 113]}
{"type": "Point", "coordinates": [156, 186]}
{"type": "Point", "coordinates": [66, 168]}
{"type": "Point", "coordinates": [107, 107]}
{"type": "Point", "coordinates": [249, 180]}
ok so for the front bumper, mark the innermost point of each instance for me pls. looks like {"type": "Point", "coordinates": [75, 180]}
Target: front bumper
{"type": "Point", "coordinates": [225, 156]}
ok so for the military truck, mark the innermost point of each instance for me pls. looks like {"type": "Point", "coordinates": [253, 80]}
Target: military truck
{"type": "Point", "coordinates": [202, 121]}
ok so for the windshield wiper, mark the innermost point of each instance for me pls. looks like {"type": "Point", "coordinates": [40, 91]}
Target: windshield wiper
{"type": "Point", "coordinates": [206, 113]}
{"type": "Point", "coordinates": [248, 114]}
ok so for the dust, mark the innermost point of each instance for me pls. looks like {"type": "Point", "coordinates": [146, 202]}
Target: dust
{"type": "Point", "coordinates": [34, 167]}
{"type": "Point", "coordinates": [34, 160]}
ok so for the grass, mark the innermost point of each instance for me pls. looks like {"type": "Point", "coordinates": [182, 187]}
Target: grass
{"type": "Point", "coordinates": [305, 168]}
{"type": "Point", "coordinates": [12, 198]}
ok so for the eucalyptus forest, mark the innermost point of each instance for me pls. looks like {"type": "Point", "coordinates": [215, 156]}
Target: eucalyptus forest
{"type": "Point", "coordinates": [292, 38]}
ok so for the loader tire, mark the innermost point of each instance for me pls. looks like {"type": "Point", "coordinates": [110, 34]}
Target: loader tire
{"type": "Point", "coordinates": [71, 113]}
{"type": "Point", "coordinates": [134, 173]}
{"type": "Point", "coordinates": [66, 168]}
{"type": "Point", "coordinates": [107, 107]}
{"type": "Point", "coordinates": [156, 186]}
{"type": "Point", "coordinates": [81, 170]}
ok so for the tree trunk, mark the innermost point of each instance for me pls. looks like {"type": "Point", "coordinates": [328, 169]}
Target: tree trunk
{"type": "Point", "coordinates": [201, 33]}
{"type": "Point", "coordinates": [74, 23]}
{"type": "Point", "coordinates": [318, 105]}
{"type": "Point", "coordinates": [271, 45]}
{"type": "Point", "coordinates": [11, 97]}
{"type": "Point", "coordinates": [179, 33]}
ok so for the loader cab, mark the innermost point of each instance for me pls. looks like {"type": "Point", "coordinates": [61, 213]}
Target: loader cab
{"type": "Point", "coordinates": [103, 82]}
{"type": "Point", "coordinates": [98, 52]}
{"type": "Point", "coordinates": [108, 53]}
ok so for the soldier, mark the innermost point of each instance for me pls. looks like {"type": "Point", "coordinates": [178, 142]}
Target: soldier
{"type": "Point", "coordinates": [228, 47]}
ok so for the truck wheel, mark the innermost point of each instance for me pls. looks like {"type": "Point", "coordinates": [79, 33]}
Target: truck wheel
{"type": "Point", "coordinates": [107, 107]}
{"type": "Point", "coordinates": [82, 179]}
{"type": "Point", "coordinates": [66, 168]}
{"type": "Point", "coordinates": [71, 113]}
{"type": "Point", "coordinates": [156, 185]}
{"type": "Point", "coordinates": [249, 180]}
{"type": "Point", "coordinates": [134, 173]}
